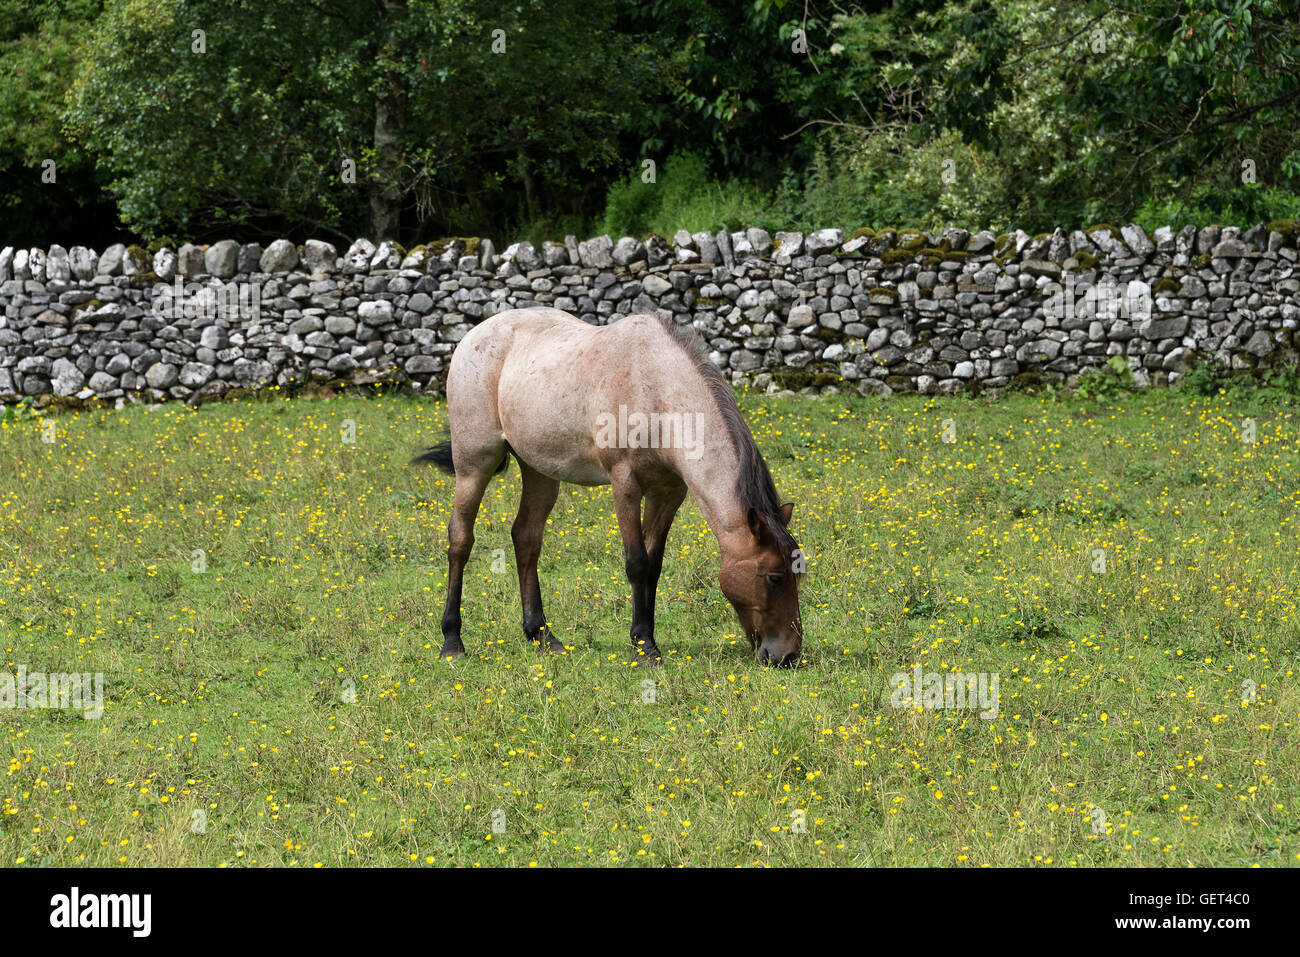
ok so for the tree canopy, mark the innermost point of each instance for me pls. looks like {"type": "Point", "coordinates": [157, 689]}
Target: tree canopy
{"type": "Point", "coordinates": [177, 120]}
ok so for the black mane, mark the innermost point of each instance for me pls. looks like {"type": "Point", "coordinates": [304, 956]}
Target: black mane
{"type": "Point", "coordinates": [754, 483]}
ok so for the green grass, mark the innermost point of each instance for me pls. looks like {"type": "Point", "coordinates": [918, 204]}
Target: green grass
{"type": "Point", "coordinates": [291, 691]}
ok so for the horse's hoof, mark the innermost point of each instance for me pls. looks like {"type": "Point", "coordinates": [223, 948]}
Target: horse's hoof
{"type": "Point", "coordinates": [452, 651]}
{"type": "Point", "coordinates": [646, 653]}
{"type": "Point", "coordinates": [551, 646]}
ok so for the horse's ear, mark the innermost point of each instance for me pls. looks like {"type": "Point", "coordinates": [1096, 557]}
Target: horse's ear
{"type": "Point", "coordinates": [787, 510]}
{"type": "Point", "coordinates": [756, 526]}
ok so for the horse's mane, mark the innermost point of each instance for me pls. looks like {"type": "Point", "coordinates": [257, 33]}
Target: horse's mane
{"type": "Point", "coordinates": [754, 483]}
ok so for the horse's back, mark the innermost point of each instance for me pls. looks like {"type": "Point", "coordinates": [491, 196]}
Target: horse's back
{"type": "Point", "coordinates": [539, 378]}
{"type": "Point", "coordinates": [552, 344]}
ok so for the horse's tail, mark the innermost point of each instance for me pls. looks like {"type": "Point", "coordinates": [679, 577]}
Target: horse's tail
{"type": "Point", "coordinates": [440, 455]}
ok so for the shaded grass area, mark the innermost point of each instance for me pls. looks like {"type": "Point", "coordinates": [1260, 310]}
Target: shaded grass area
{"type": "Point", "coordinates": [262, 600]}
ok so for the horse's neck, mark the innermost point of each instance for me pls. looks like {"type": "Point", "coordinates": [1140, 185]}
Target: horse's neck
{"type": "Point", "coordinates": [712, 479]}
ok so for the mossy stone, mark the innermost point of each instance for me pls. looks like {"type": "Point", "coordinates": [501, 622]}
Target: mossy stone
{"type": "Point", "coordinates": [1027, 382]}
{"type": "Point", "coordinates": [792, 379]}
{"type": "Point", "coordinates": [941, 253]}
{"type": "Point", "coordinates": [897, 257]}
{"type": "Point", "coordinates": [439, 246]}
{"type": "Point", "coordinates": [1287, 227]}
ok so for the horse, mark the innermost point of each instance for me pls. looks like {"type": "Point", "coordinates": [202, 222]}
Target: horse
{"type": "Point", "coordinates": [555, 392]}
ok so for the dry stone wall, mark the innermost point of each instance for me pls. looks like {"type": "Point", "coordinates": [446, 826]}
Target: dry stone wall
{"type": "Point", "coordinates": [874, 312]}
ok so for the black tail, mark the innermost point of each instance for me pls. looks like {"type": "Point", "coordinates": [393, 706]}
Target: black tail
{"type": "Point", "coordinates": [440, 455]}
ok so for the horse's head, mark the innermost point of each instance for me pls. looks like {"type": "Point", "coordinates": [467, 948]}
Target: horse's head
{"type": "Point", "coordinates": [761, 580]}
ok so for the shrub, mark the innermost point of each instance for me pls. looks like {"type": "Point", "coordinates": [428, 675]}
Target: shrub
{"type": "Point", "coordinates": [683, 196]}
{"type": "Point", "coordinates": [1244, 204]}
{"type": "Point", "coordinates": [1107, 382]}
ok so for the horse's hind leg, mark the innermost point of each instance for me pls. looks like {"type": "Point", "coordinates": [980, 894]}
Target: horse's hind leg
{"type": "Point", "coordinates": [471, 482]}
{"type": "Point", "coordinates": [535, 504]}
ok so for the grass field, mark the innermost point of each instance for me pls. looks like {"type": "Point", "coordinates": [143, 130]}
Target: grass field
{"type": "Point", "coordinates": [262, 598]}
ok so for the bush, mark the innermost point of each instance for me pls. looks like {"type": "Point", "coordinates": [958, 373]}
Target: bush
{"type": "Point", "coordinates": [892, 178]}
{"type": "Point", "coordinates": [1204, 380]}
{"type": "Point", "coordinates": [1106, 383]}
{"type": "Point", "coordinates": [552, 225]}
{"type": "Point", "coordinates": [683, 196]}
{"type": "Point", "coordinates": [1211, 378]}
{"type": "Point", "coordinates": [1244, 205]}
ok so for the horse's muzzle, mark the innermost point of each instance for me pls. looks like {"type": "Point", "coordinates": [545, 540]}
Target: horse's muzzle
{"type": "Point", "coordinates": [777, 657]}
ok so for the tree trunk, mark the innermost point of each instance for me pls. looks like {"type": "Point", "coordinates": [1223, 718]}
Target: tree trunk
{"type": "Point", "coordinates": [476, 208]}
{"type": "Point", "coordinates": [530, 187]}
{"type": "Point", "coordinates": [385, 193]}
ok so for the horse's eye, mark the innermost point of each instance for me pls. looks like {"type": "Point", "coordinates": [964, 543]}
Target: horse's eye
{"type": "Point", "coordinates": [776, 579]}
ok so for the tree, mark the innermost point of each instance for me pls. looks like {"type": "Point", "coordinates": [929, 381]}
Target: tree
{"type": "Point", "coordinates": [228, 111]}
{"type": "Point", "coordinates": [38, 51]}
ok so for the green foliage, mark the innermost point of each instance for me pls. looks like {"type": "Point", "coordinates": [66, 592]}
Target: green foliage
{"type": "Point", "coordinates": [684, 195]}
{"type": "Point", "coordinates": [1016, 114]}
{"type": "Point", "coordinates": [258, 128]}
{"type": "Point", "coordinates": [1107, 383]}
{"type": "Point", "coordinates": [1210, 204]}
{"type": "Point", "coordinates": [726, 82]}
{"type": "Point", "coordinates": [38, 52]}
{"type": "Point", "coordinates": [1268, 386]}
{"type": "Point", "coordinates": [24, 410]}
{"type": "Point", "coordinates": [159, 242]}
{"type": "Point", "coordinates": [1202, 380]}
{"type": "Point", "coordinates": [882, 179]}
{"type": "Point", "coordinates": [227, 140]}
{"type": "Point", "coordinates": [542, 124]}
{"type": "Point", "coordinates": [1204, 99]}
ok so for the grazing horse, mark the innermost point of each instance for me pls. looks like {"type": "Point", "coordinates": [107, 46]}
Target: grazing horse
{"type": "Point", "coordinates": [636, 405]}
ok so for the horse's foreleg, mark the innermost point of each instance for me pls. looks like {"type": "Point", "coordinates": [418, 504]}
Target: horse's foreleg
{"type": "Point", "coordinates": [661, 506]}
{"type": "Point", "coordinates": [535, 504]}
{"type": "Point", "coordinates": [636, 561]}
{"type": "Point", "coordinates": [460, 537]}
